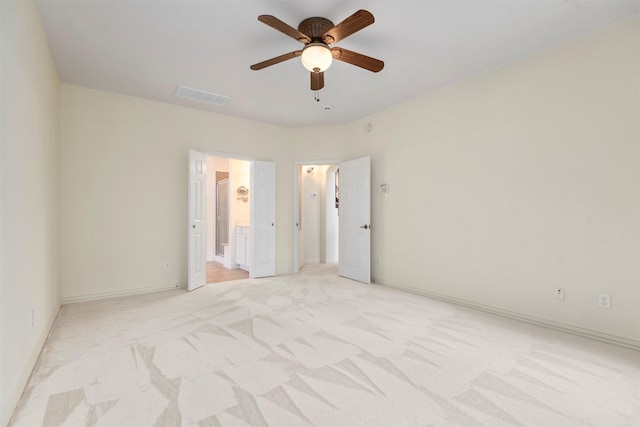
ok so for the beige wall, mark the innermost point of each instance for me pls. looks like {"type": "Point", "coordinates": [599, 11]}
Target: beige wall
{"type": "Point", "coordinates": [509, 185]}
{"type": "Point", "coordinates": [239, 177]}
{"type": "Point", "coordinates": [239, 211]}
{"type": "Point", "coordinates": [311, 184]}
{"type": "Point", "coordinates": [29, 276]}
{"type": "Point", "coordinates": [331, 219]}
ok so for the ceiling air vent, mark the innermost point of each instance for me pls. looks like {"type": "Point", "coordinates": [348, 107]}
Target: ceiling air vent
{"type": "Point", "coordinates": [200, 95]}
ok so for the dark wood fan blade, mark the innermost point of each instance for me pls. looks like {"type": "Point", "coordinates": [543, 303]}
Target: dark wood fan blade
{"type": "Point", "coordinates": [355, 22]}
{"type": "Point", "coordinates": [284, 28]}
{"type": "Point", "coordinates": [357, 59]}
{"type": "Point", "coordinates": [276, 60]}
{"type": "Point", "coordinates": [317, 81]}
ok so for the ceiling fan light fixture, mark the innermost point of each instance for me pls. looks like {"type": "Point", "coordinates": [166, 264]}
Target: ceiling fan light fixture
{"type": "Point", "coordinates": [316, 57]}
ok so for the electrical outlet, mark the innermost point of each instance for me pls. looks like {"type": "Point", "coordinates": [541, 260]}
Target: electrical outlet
{"type": "Point", "coordinates": [166, 265]}
{"type": "Point", "coordinates": [604, 300]}
{"type": "Point", "coordinates": [560, 294]}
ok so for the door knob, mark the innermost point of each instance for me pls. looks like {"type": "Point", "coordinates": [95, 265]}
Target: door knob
{"type": "Point", "coordinates": [366, 226]}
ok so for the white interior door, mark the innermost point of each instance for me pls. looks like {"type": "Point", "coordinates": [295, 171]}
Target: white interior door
{"type": "Point", "coordinates": [197, 221]}
{"type": "Point", "coordinates": [263, 219]}
{"type": "Point", "coordinates": [354, 257]}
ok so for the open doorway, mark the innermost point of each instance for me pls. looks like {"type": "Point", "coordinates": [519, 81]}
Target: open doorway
{"type": "Point", "coordinates": [316, 211]}
{"type": "Point", "coordinates": [229, 218]}
{"type": "Point", "coordinates": [349, 199]}
{"type": "Point", "coordinates": [252, 217]}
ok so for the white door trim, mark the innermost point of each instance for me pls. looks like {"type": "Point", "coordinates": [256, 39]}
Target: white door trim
{"type": "Point", "coordinates": [229, 155]}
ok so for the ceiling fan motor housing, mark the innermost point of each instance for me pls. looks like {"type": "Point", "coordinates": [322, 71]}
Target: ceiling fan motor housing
{"type": "Point", "coordinates": [315, 28]}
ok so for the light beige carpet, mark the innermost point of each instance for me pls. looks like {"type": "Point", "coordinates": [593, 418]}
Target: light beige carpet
{"type": "Point", "coordinates": [317, 349]}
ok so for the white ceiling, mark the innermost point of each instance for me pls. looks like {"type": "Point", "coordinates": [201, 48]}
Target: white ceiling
{"type": "Point", "coordinates": [147, 48]}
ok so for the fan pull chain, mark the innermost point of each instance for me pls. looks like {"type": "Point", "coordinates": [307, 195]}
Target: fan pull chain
{"type": "Point", "coordinates": [316, 97]}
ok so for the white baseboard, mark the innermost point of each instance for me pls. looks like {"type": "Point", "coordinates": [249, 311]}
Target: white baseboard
{"type": "Point", "coordinates": [103, 295]}
{"type": "Point", "coordinates": [16, 393]}
{"type": "Point", "coordinates": [576, 330]}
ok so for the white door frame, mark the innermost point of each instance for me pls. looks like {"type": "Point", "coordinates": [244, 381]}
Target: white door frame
{"type": "Point", "coordinates": [296, 212]}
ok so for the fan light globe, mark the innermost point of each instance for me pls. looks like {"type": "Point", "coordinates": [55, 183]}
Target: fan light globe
{"type": "Point", "coordinates": [316, 57]}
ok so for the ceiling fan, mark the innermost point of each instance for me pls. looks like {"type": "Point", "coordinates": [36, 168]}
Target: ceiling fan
{"type": "Point", "coordinates": [317, 34]}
